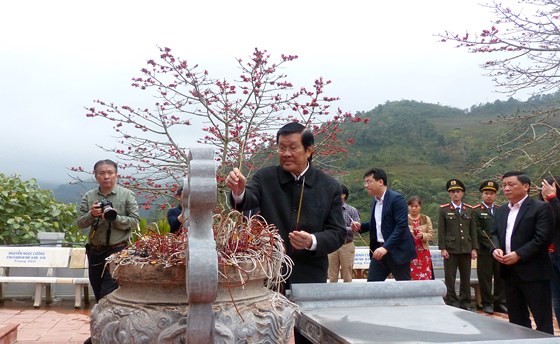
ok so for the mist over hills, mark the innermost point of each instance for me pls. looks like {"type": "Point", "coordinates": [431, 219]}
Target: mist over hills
{"type": "Point", "coordinates": [71, 193]}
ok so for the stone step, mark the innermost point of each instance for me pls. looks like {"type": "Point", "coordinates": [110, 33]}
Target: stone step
{"type": "Point", "coordinates": [8, 334]}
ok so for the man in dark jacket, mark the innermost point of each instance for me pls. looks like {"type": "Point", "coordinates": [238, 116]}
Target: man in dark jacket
{"type": "Point", "coordinates": [550, 192]}
{"type": "Point", "coordinates": [175, 215]}
{"type": "Point", "coordinates": [303, 202]}
{"type": "Point", "coordinates": [391, 244]}
{"type": "Point", "coordinates": [524, 229]}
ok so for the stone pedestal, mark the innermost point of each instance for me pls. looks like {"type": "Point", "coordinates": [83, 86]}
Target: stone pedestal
{"type": "Point", "coordinates": [398, 312]}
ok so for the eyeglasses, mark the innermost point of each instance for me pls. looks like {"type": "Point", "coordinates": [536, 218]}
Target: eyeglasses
{"type": "Point", "coordinates": [293, 149]}
{"type": "Point", "coordinates": [368, 182]}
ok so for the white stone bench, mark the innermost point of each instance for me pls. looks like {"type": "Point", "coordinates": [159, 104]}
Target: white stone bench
{"type": "Point", "coordinates": [49, 258]}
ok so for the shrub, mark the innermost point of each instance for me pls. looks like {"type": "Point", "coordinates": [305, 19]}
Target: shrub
{"type": "Point", "coordinates": [26, 209]}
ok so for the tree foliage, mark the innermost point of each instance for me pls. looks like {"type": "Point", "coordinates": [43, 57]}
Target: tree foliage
{"type": "Point", "coordinates": [532, 142]}
{"type": "Point", "coordinates": [523, 41]}
{"type": "Point", "coordinates": [524, 44]}
{"type": "Point", "coordinates": [239, 118]}
{"type": "Point", "coordinates": [25, 210]}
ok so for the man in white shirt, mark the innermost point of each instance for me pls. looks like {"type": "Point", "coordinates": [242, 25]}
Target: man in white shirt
{"type": "Point", "coordinates": [524, 229]}
{"type": "Point", "coordinates": [391, 244]}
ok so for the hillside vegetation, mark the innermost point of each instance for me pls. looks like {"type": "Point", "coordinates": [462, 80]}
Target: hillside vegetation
{"type": "Point", "coordinates": [422, 145]}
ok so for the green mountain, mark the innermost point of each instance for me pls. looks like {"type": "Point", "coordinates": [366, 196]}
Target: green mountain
{"type": "Point", "coordinates": [422, 145]}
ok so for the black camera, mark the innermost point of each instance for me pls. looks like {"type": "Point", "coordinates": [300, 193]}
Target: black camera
{"type": "Point", "coordinates": [109, 214]}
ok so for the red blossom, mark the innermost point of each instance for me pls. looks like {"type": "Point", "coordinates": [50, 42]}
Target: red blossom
{"type": "Point", "coordinates": [240, 125]}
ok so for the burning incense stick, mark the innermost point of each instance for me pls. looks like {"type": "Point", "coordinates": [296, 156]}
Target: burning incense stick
{"type": "Point", "coordinates": [300, 202]}
{"type": "Point", "coordinates": [486, 234]}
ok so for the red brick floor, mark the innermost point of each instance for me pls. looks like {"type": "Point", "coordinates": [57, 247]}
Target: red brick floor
{"type": "Point", "coordinates": [61, 323]}
{"type": "Point", "coordinates": [55, 323]}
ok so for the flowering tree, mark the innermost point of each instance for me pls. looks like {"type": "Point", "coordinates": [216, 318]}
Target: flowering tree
{"type": "Point", "coordinates": [239, 118]}
{"type": "Point", "coordinates": [523, 42]}
{"type": "Point", "coordinates": [524, 46]}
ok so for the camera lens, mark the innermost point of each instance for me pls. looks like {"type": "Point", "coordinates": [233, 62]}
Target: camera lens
{"type": "Point", "coordinates": [109, 214]}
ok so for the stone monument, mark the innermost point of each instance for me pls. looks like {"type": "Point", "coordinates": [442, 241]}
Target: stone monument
{"type": "Point", "coordinates": [398, 312]}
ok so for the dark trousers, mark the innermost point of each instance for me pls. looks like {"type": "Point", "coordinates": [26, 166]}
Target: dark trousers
{"type": "Point", "coordinates": [100, 278]}
{"type": "Point", "coordinates": [461, 261]}
{"type": "Point", "coordinates": [523, 296]}
{"type": "Point", "coordinates": [379, 270]}
{"type": "Point", "coordinates": [488, 269]}
{"type": "Point", "coordinates": [555, 284]}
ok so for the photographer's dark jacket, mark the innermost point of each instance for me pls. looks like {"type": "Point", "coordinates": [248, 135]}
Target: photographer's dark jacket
{"type": "Point", "coordinates": [457, 232]}
{"type": "Point", "coordinates": [277, 194]}
{"type": "Point", "coordinates": [126, 206]}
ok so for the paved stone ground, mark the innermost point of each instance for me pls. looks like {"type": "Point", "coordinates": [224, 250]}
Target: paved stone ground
{"type": "Point", "coordinates": [61, 323]}
{"type": "Point", "coordinates": [55, 323]}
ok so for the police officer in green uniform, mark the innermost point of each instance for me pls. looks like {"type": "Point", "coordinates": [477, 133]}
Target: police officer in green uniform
{"type": "Point", "coordinates": [487, 267]}
{"type": "Point", "coordinates": [458, 244]}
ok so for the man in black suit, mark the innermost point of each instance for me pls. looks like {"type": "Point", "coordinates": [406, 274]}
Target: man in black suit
{"type": "Point", "coordinates": [303, 202]}
{"type": "Point", "coordinates": [523, 231]}
{"type": "Point", "coordinates": [391, 244]}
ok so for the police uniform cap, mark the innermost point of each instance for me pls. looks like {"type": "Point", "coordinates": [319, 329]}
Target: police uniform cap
{"type": "Point", "coordinates": [455, 184]}
{"type": "Point", "coordinates": [489, 185]}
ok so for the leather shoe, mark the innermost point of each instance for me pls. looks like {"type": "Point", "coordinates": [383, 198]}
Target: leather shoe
{"type": "Point", "coordinates": [88, 341]}
{"type": "Point", "coordinates": [488, 309]}
{"type": "Point", "coordinates": [500, 308]}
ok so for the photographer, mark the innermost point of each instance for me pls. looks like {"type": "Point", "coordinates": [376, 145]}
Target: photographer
{"type": "Point", "coordinates": [110, 212]}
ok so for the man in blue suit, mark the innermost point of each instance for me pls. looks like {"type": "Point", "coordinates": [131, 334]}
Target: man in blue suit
{"type": "Point", "coordinates": [391, 244]}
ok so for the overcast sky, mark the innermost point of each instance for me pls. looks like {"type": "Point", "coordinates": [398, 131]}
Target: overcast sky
{"type": "Point", "coordinates": [56, 57]}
